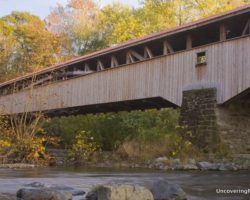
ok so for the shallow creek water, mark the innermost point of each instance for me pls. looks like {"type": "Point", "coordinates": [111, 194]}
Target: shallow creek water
{"type": "Point", "coordinates": [198, 185]}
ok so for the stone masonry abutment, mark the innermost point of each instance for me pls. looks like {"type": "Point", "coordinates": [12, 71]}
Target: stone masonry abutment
{"type": "Point", "coordinates": [211, 123]}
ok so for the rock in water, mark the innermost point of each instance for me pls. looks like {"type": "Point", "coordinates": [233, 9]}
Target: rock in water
{"type": "Point", "coordinates": [35, 185]}
{"type": "Point", "coordinates": [54, 190]}
{"type": "Point", "coordinates": [42, 194]}
{"type": "Point", "coordinates": [163, 190]}
{"type": "Point", "coordinates": [208, 165]}
{"type": "Point", "coordinates": [73, 191]}
{"type": "Point", "coordinates": [119, 192]}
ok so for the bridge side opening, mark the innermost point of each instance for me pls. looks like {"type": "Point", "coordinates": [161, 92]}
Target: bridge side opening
{"type": "Point", "coordinates": [238, 26]}
{"type": "Point", "coordinates": [205, 35]}
{"type": "Point", "coordinates": [178, 41]}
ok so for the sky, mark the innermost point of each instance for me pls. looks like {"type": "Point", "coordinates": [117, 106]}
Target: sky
{"type": "Point", "coordinates": [43, 7]}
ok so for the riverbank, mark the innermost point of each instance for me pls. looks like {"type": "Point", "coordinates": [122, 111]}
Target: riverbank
{"type": "Point", "coordinates": [160, 163]}
{"type": "Point", "coordinates": [107, 160]}
{"type": "Point", "coordinates": [7, 196]}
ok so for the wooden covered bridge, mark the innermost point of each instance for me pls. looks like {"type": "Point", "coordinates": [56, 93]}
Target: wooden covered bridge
{"type": "Point", "coordinates": [151, 72]}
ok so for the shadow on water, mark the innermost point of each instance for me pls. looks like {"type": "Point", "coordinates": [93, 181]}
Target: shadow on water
{"type": "Point", "coordinates": [198, 185]}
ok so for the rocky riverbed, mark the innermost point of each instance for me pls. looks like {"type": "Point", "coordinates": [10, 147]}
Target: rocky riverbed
{"type": "Point", "coordinates": [198, 185]}
{"type": "Point", "coordinates": [165, 163]}
{"type": "Point", "coordinates": [176, 164]}
{"type": "Point", "coordinates": [162, 163]}
{"type": "Point", "coordinates": [158, 190]}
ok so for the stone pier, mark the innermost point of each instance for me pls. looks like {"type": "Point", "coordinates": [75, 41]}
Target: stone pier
{"type": "Point", "coordinates": [198, 115]}
{"type": "Point", "coordinates": [211, 124]}
{"type": "Point", "coordinates": [234, 125]}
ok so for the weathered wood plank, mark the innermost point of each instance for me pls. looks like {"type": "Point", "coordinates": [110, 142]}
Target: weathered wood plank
{"type": "Point", "coordinates": [189, 44]}
{"type": "Point", "coordinates": [223, 32]}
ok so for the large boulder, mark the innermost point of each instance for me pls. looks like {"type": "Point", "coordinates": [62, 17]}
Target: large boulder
{"type": "Point", "coordinates": [119, 192]}
{"type": "Point", "coordinates": [42, 194]}
{"type": "Point", "coordinates": [163, 190]}
{"type": "Point", "coordinates": [38, 191]}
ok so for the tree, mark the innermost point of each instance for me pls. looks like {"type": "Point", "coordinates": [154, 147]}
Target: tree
{"type": "Point", "coordinates": [207, 8]}
{"type": "Point", "coordinates": [162, 14]}
{"type": "Point", "coordinates": [27, 45]}
{"type": "Point", "coordinates": [119, 23]}
{"type": "Point", "coordinates": [89, 28]}
{"type": "Point", "coordinates": [76, 23]}
{"type": "Point", "coordinates": [7, 43]}
{"type": "Point", "coordinates": [84, 27]}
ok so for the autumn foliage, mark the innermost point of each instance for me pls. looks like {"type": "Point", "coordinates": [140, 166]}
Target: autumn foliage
{"type": "Point", "coordinates": [28, 43]}
{"type": "Point", "coordinates": [23, 140]}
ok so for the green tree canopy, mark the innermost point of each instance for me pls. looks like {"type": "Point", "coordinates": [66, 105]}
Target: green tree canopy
{"type": "Point", "coordinates": [26, 45]}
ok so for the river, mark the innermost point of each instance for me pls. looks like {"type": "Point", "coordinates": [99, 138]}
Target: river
{"type": "Point", "coordinates": [198, 185]}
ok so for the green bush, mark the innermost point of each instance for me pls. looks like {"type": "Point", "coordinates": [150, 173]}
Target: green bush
{"type": "Point", "coordinates": [134, 135]}
{"type": "Point", "coordinates": [112, 129]}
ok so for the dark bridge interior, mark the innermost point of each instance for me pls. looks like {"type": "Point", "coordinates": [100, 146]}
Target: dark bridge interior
{"type": "Point", "coordinates": [140, 104]}
{"type": "Point", "coordinates": [243, 97]}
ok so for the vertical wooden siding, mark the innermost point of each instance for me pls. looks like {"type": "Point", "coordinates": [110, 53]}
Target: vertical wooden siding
{"type": "Point", "coordinates": [228, 69]}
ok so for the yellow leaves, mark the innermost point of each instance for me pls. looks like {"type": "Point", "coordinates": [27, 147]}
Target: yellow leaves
{"type": "Point", "coordinates": [86, 28]}
{"type": "Point", "coordinates": [165, 14]}
{"type": "Point", "coordinates": [82, 4]}
{"type": "Point", "coordinates": [82, 27]}
{"type": "Point", "coordinates": [83, 146]}
{"type": "Point", "coordinates": [119, 23]}
{"type": "Point", "coordinates": [24, 139]}
{"type": "Point", "coordinates": [207, 8]}
{"type": "Point", "coordinates": [4, 144]}
{"type": "Point", "coordinates": [35, 155]}
{"type": "Point", "coordinates": [33, 44]}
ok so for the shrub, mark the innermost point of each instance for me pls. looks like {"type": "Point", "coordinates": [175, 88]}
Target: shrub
{"type": "Point", "coordinates": [112, 129]}
{"type": "Point", "coordinates": [134, 135]}
{"type": "Point", "coordinates": [222, 151]}
{"type": "Point", "coordinates": [83, 147]}
{"type": "Point", "coordinates": [171, 145]}
{"type": "Point", "coordinates": [23, 139]}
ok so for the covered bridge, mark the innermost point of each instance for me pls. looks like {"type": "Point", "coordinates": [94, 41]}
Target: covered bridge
{"type": "Point", "coordinates": [149, 72]}
{"type": "Point", "coordinates": [198, 65]}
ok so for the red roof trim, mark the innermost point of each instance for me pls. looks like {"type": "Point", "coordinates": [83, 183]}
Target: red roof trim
{"type": "Point", "coordinates": [134, 42]}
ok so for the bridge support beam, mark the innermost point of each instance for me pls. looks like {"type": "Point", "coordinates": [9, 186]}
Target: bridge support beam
{"type": "Point", "coordinates": [198, 115]}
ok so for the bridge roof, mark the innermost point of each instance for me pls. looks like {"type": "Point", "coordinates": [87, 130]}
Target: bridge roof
{"type": "Point", "coordinates": [134, 42]}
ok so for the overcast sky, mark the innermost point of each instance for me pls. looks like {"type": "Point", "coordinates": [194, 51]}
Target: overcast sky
{"type": "Point", "coordinates": [42, 7]}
